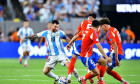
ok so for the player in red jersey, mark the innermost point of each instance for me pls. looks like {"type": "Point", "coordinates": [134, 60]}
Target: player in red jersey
{"type": "Point", "coordinates": [86, 24]}
{"type": "Point", "coordinates": [116, 50]}
{"type": "Point", "coordinates": [88, 57]}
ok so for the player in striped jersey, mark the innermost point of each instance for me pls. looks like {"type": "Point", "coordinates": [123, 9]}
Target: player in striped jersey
{"type": "Point", "coordinates": [56, 51]}
{"type": "Point", "coordinates": [25, 31]}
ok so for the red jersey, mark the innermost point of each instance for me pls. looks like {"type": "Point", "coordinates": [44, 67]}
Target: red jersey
{"type": "Point", "coordinates": [89, 38]}
{"type": "Point", "coordinates": [114, 36]}
{"type": "Point", "coordinates": [86, 24]}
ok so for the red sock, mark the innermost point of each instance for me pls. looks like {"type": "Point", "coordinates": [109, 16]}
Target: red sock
{"type": "Point", "coordinates": [116, 75]}
{"type": "Point", "coordinates": [72, 65]}
{"type": "Point", "coordinates": [88, 76]}
{"type": "Point", "coordinates": [102, 71]}
{"type": "Point", "coordinates": [99, 67]}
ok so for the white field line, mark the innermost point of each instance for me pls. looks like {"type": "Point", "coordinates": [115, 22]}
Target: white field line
{"type": "Point", "coordinates": [52, 80]}
{"type": "Point", "coordinates": [44, 75]}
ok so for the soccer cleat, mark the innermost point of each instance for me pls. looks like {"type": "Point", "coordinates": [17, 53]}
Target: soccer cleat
{"type": "Point", "coordinates": [91, 81]}
{"type": "Point", "coordinates": [100, 82]}
{"type": "Point", "coordinates": [55, 81]}
{"type": "Point", "coordinates": [83, 80]}
{"type": "Point", "coordinates": [25, 65]}
{"type": "Point", "coordinates": [69, 81]}
{"type": "Point", "coordinates": [125, 82]}
{"type": "Point", "coordinates": [20, 61]}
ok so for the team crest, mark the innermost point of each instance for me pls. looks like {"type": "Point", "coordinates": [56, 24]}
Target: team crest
{"type": "Point", "coordinates": [53, 34]}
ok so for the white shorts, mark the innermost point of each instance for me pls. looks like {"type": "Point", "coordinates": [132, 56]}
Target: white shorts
{"type": "Point", "coordinates": [53, 60]}
{"type": "Point", "coordinates": [26, 48]}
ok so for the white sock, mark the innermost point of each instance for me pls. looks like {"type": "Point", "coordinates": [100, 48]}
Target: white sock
{"type": "Point", "coordinates": [75, 73]}
{"type": "Point", "coordinates": [88, 70]}
{"type": "Point", "coordinates": [52, 75]}
{"type": "Point", "coordinates": [123, 81]}
{"type": "Point", "coordinates": [101, 78]}
{"type": "Point", "coordinates": [27, 59]}
{"type": "Point", "coordinates": [69, 77]}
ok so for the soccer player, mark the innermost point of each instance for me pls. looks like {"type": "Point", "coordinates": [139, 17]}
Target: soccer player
{"type": "Point", "coordinates": [86, 24]}
{"type": "Point", "coordinates": [56, 51]}
{"type": "Point", "coordinates": [116, 50]}
{"type": "Point", "coordinates": [88, 57]}
{"type": "Point", "coordinates": [25, 31]}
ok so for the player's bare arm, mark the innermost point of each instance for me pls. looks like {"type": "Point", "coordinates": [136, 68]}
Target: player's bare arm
{"type": "Point", "coordinates": [115, 47]}
{"type": "Point", "coordinates": [41, 40]}
{"type": "Point", "coordinates": [67, 39]}
{"type": "Point", "coordinates": [28, 37]}
{"type": "Point", "coordinates": [77, 31]}
{"type": "Point", "coordinates": [103, 53]}
{"type": "Point", "coordinates": [71, 41]}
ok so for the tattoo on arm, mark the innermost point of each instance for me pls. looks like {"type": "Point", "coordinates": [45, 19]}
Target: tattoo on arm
{"type": "Point", "coordinates": [31, 37]}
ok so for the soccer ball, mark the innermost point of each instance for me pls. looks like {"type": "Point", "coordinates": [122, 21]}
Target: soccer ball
{"type": "Point", "coordinates": [63, 80]}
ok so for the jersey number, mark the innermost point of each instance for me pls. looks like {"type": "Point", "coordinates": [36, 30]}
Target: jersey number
{"type": "Point", "coordinates": [53, 39]}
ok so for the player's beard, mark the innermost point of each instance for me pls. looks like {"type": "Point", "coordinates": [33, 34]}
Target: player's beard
{"type": "Point", "coordinates": [54, 30]}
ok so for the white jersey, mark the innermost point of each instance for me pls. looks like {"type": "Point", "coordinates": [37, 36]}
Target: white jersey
{"type": "Point", "coordinates": [23, 32]}
{"type": "Point", "coordinates": [54, 41]}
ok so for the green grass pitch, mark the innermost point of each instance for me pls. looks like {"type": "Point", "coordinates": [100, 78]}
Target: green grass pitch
{"type": "Point", "coordinates": [11, 72]}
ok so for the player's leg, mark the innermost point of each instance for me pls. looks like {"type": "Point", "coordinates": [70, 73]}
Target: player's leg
{"type": "Point", "coordinates": [75, 73]}
{"type": "Point", "coordinates": [24, 54]}
{"type": "Point", "coordinates": [102, 64]}
{"type": "Point", "coordinates": [50, 64]}
{"type": "Point", "coordinates": [71, 66]}
{"type": "Point", "coordinates": [27, 59]}
{"type": "Point", "coordinates": [110, 71]}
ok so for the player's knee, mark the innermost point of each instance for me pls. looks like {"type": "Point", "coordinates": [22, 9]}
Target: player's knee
{"type": "Point", "coordinates": [45, 72]}
{"type": "Point", "coordinates": [95, 73]}
{"type": "Point", "coordinates": [104, 62]}
{"type": "Point", "coordinates": [108, 71]}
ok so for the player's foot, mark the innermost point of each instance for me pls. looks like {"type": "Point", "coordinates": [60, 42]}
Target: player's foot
{"type": "Point", "coordinates": [20, 61]}
{"type": "Point", "coordinates": [83, 80]}
{"type": "Point", "coordinates": [100, 82]}
{"type": "Point", "coordinates": [91, 81]}
{"type": "Point", "coordinates": [25, 65]}
{"type": "Point", "coordinates": [69, 81]}
{"type": "Point", "coordinates": [55, 81]}
{"type": "Point", "coordinates": [125, 82]}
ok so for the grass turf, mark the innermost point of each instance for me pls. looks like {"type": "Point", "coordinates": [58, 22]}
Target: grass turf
{"type": "Point", "coordinates": [11, 72]}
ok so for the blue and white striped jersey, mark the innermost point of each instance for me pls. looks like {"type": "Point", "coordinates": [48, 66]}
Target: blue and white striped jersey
{"type": "Point", "coordinates": [23, 32]}
{"type": "Point", "coordinates": [54, 41]}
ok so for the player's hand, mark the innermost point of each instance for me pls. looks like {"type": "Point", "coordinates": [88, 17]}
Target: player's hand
{"type": "Point", "coordinates": [22, 40]}
{"type": "Point", "coordinates": [68, 46]}
{"type": "Point", "coordinates": [117, 62]}
{"type": "Point", "coordinates": [109, 59]}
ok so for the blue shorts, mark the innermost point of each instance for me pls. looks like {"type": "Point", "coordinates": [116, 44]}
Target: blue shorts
{"type": "Point", "coordinates": [77, 47]}
{"type": "Point", "coordinates": [113, 65]}
{"type": "Point", "coordinates": [91, 61]}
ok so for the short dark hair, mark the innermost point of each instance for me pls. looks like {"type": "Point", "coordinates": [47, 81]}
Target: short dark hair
{"type": "Point", "coordinates": [93, 15]}
{"type": "Point", "coordinates": [104, 21]}
{"type": "Point", "coordinates": [95, 23]}
{"type": "Point", "coordinates": [25, 20]}
{"type": "Point", "coordinates": [55, 22]}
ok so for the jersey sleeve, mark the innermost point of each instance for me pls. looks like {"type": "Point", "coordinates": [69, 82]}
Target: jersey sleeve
{"type": "Point", "coordinates": [111, 37]}
{"type": "Point", "coordinates": [19, 32]}
{"type": "Point", "coordinates": [95, 38]}
{"type": "Point", "coordinates": [63, 35]}
{"type": "Point", "coordinates": [42, 34]}
{"type": "Point", "coordinates": [80, 26]}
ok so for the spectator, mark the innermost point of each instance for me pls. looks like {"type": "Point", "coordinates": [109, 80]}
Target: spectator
{"type": "Point", "coordinates": [2, 38]}
{"type": "Point", "coordinates": [44, 14]}
{"type": "Point", "coordinates": [130, 33]}
{"type": "Point", "coordinates": [27, 9]}
{"type": "Point", "coordinates": [62, 14]}
{"type": "Point", "coordinates": [123, 35]}
{"type": "Point", "coordinates": [15, 38]}
{"type": "Point", "coordinates": [1, 14]}
{"type": "Point", "coordinates": [31, 16]}
{"type": "Point", "coordinates": [10, 37]}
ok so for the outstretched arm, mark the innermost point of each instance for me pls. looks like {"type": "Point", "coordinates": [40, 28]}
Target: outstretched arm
{"type": "Point", "coordinates": [71, 41]}
{"type": "Point", "coordinates": [28, 37]}
{"type": "Point", "coordinates": [103, 53]}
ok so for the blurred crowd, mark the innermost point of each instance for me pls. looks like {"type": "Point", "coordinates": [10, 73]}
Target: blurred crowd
{"type": "Point", "coordinates": [127, 35]}
{"type": "Point", "coordinates": [47, 10]}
